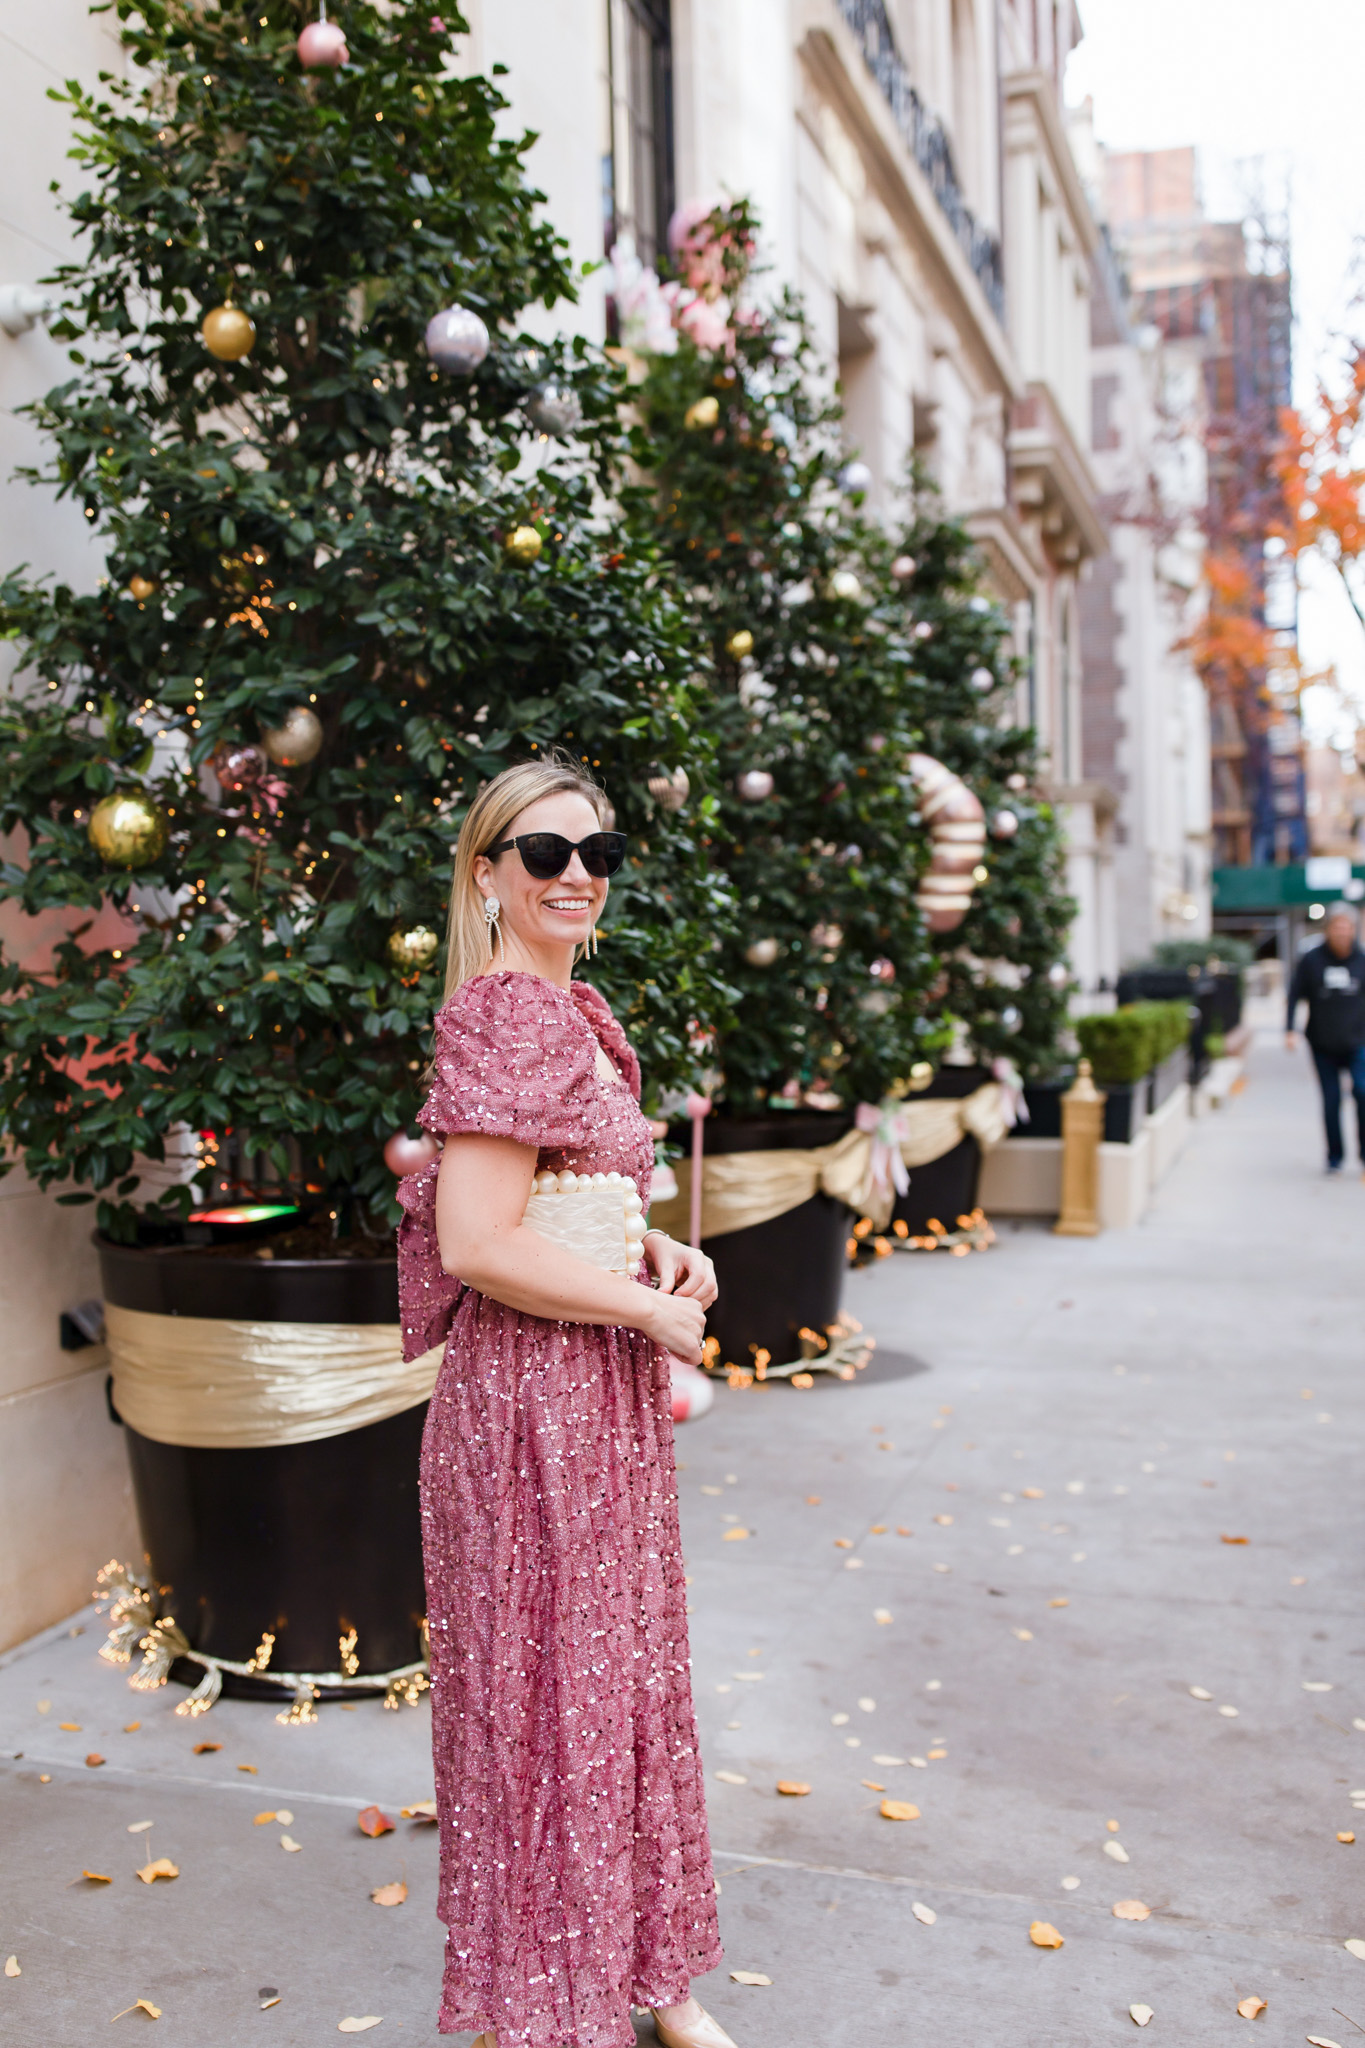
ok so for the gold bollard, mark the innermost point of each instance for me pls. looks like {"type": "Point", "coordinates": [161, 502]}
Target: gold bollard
{"type": "Point", "coordinates": [1082, 1129]}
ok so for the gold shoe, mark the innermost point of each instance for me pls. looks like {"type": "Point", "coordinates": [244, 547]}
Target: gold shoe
{"type": "Point", "coordinates": [703, 2033]}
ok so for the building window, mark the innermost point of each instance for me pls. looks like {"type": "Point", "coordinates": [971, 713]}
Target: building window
{"type": "Point", "coordinates": [637, 163]}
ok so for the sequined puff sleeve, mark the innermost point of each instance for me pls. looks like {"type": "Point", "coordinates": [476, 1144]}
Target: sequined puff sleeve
{"type": "Point", "coordinates": [512, 1060]}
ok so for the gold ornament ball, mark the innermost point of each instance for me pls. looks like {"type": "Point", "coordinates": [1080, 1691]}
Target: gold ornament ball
{"type": "Point", "coordinates": [296, 741]}
{"type": "Point", "coordinates": [228, 333]}
{"type": "Point", "coordinates": [741, 643]}
{"type": "Point", "coordinates": [141, 587]}
{"type": "Point", "coordinates": [703, 412]}
{"type": "Point", "coordinates": [762, 953]}
{"type": "Point", "coordinates": [128, 830]}
{"type": "Point", "coordinates": [844, 585]}
{"type": "Point", "coordinates": [524, 545]}
{"type": "Point", "coordinates": [413, 949]}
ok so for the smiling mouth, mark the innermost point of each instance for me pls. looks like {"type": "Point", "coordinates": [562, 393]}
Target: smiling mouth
{"type": "Point", "coordinates": [568, 903]}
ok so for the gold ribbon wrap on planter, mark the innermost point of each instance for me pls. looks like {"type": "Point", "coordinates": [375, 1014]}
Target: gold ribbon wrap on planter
{"type": "Point", "coordinates": [739, 1189]}
{"type": "Point", "coordinates": [217, 1384]}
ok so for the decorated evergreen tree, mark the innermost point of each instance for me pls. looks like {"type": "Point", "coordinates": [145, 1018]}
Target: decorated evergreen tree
{"type": "Point", "coordinates": [809, 645]}
{"type": "Point", "coordinates": [357, 560]}
{"type": "Point", "coordinates": [1002, 982]}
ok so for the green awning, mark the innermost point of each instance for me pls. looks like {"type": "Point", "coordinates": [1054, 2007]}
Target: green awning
{"type": "Point", "coordinates": [1282, 888]}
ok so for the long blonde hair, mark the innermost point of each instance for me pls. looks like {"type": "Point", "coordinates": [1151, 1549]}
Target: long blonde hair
{"type": "Point", "coordinates": [468, 935]}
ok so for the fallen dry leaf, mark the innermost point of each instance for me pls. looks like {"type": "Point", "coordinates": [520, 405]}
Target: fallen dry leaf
{"type": "Point", "coordinates": [1140, 2014]}
{"type": "Point", "coordinates": [873, 1786]}
{"type": "Point", "coordinates": [1059, 1603]}
{"type": "Point", "coordinates": [935, 1755]}
{"type": "Point", "coordinates": [1235, 1539]}
{"type": "Point", "coordinates": [139, 1827]}
{"type": "Point", "coordinates": [1316, 1685]}
{"type": "Point", "coordinates": [813, 1500]}
{"type": "Point", "coordinates": [74, 1728]}
{"type": "Point", "coordinates": [1197, 1692]}
{"type": "Point", "coordinates": [1022, 1635]}
{"type": "Point", "coordinates": [1356, 1948]}
{"type": "Point", "coordinates": [898, 1809]}
{"type": "Point", "coordinates": [1071, 1884]}
{"type": "Point", "coordinates": [730, 1777]}
{"type": "Point", "coordinates": [372, 1822]}
{"type": "Point", "coordinates": [749, 1977]}
{"type": "Point", "coordinates": [1345, 1838]}
{"type": "Point", "coordinates": [262, 1818]}
{"type": "Point", "coordinates": [1229, 1713]}
{"type": "Point", "coordinates": [943, 1520]}
{"type": "Point", "coordinates": [1320, 2041]}
{"type": "Point", "coordinates": [1117, 1851]}
{"type": "Point", "coordinates": [1031, 1492]}
{"type": "Point", "coordinates": [131, 1727]}
{"type": "Point", "coordinates": [792, 1788]}
{"type": "Point", "coordinates": [843, 1543]}
{"type": "Point", "coordinates": [287, 1842]}
{"type": "Point", "coordinates": [1044, 1935]}
{"type": "Point", "coordinates": [95, 1877]}
{"type": "Point", "coordinates": [248, 1767]}
{"type": "Point", "coordinates": [888, 1759]}
{"type": "Point", "coordinates": [1131, 1909]}
{"type": "Point", "coordinates": [45, 1777]}
{"type": "Point", "coordinates": [901, 1530]}
{"type": "Point", "coordinates": [44, 1706]}
{"type": "Point", "coordinates": [163, 1867]}
{"type": "Point", "coordinates": [925, 1914]}
{"type": "Point", "coordinates": [717, 1490]}
{"type": "Point", "coordinates": [390, 1894]}
{"type": "Point", "coordinates": [882, 1615]}
{"type": "Point", "coordinates": [877, 1529]}
{"type": "Point", "coordinates": [421, 1809]}
{"type": "Point", "coordinates": [735, 1536]}
{"type": "Point", "coordinates": [1112, 1826]}
{"type": "Point", "coordinates": [94, 1760]}
{"type": "Point", "coordinates": [268, 1996]}
{"type": "Point", "coordinates": [12, 1967]}
{"type": "Point", "coordinates": [1250, 2007]}
{"type": "Point", "coordinates": [153, 2012]}
{"type": "Point", "coordinates": [206, 1748]}
{"type": "Point", "coordinates": [360, 2026]}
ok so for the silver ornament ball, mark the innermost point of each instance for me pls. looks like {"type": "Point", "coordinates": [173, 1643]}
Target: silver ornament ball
{"type": "Point", "coordinates": [762, 953]}
{"type": "Point", "coordinates": [903, 568]}
{"type": "Point", "coordinates": [983, 679]}
{"type": "Point", "coordinates": [1004, 825]}
{"type": "Point", "coordinates": [552, 410]}
{"type": "Point", "coordinates": [457, 341]}
{"type": "Point", "coordinates": [855, 478]}
{"type": "Point", "coordinates": [1058, 974]}
{"type": "Point", "coordinates": [755, 785]}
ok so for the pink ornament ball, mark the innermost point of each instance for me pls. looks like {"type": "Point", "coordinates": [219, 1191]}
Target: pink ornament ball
{"type": "Point", "coordinates": [403, 1154]}
{"type": "Point", "coordinates": [322, 45]}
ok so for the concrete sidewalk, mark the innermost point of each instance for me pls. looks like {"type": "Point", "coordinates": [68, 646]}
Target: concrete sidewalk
{"type": "Point", "coordinates": [1071, 1430]}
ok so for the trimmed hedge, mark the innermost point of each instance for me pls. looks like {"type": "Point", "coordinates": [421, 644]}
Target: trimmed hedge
{"type": "Point", "coordinates": [1123, 1045]}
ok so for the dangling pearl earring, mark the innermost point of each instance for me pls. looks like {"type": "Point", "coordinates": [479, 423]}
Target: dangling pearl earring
{"type": "Point", "coordinates": [492, 911]}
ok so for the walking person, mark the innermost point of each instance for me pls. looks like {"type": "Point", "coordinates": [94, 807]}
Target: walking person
{"type": "Point", "coordinates": [576, 1875]}
{"type": "Point", "coordinates": [1330, 978]}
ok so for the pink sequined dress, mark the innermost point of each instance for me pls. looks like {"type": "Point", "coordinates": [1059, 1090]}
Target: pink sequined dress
{"type": "Point", "coordinates": [575, 1865]}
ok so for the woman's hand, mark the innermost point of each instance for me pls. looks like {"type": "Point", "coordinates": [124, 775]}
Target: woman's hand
{"type": "Point", "coordinates": [680, 1269]}
{"type": "Point", "coordinates": [677, 1323]}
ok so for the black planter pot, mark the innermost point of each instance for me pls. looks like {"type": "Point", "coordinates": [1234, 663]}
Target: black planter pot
{"type": "Point", "coordinates": [787, 1274]}
{"type": "Point", "coordinates": [1124, 1105]}
{"type": "Point", "coordinates": [1163, 1081]}
{"type": "Point", "coordinates": [944, 1188]}
{"type": "Point", "coordinates": [307, 1540]}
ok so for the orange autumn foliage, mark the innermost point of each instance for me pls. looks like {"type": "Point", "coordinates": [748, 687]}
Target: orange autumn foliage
{"type": "Point", "coordinates": [1320, 467]}
{"type": "Point", "coordinates": [1230, 647]}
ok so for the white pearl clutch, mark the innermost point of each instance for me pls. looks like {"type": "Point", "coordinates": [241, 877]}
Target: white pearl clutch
{"type": "Point", "coordinates": [599, 1217]}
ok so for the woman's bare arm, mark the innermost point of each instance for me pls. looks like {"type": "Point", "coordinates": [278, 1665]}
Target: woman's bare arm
{"type": "Point", "coordinates": [481, 1195]}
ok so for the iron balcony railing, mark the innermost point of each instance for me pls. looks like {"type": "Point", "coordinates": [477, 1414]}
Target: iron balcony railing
{"type": "Point", "coordinates": [927, 141]}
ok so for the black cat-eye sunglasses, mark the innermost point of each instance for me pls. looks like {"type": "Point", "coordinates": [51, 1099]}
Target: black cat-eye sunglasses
{"type": "Point", "coordinates": [547, 854]}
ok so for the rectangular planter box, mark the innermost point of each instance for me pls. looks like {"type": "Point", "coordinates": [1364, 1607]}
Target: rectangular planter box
{"type": "Point", "coordinates": [1124, 1107]}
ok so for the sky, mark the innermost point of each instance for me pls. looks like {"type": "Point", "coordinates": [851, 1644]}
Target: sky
{"type": "Point", "coordinates": [1269, 94]}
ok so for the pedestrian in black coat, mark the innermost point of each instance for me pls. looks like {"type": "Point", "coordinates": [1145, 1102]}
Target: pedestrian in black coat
{"type": "Point", "coordinates": [1330, 978]}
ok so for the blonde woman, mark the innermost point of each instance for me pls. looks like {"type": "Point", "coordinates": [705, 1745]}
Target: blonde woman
{"type": "Point", "coordinates": [575, 1865]}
